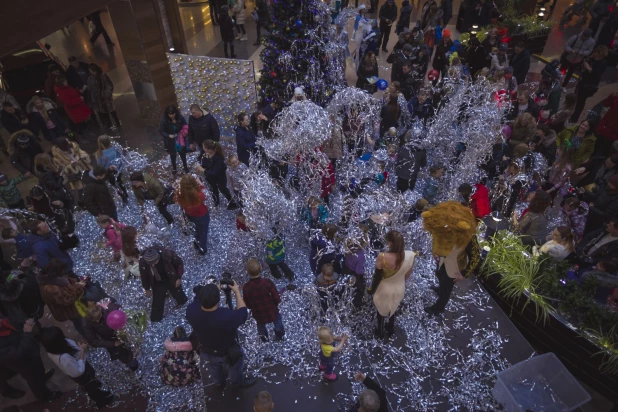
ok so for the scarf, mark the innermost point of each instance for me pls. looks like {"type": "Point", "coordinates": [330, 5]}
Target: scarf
{"type": "Point", "coordinates": [155, 273]}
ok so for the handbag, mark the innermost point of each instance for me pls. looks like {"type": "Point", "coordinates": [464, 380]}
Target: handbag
{"type": "Point", "coordinates": [391, 58]}
{"type": "Point", "coordinates": [370, 88]}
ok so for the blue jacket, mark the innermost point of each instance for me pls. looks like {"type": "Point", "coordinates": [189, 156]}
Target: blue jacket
{"type": "Point", "coordinates": [111, 157]}
{"type": "Point", "coordinates": [245, 140]}
{"type": "Point", "coordinates": [431, 188]}
{"type": "Point", "coordinates": [24, 248]}
{"type": "Point", "coordinates": [47, 248]}
{"type": "Point", "coordinates": [321, 218]}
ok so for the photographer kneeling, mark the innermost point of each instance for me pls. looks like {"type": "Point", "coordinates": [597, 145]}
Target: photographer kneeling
{"type": "Point", "coordinates": [216, 329]}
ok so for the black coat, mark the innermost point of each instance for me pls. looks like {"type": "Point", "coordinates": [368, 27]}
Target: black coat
{"type": "Point", "coordinates": [73, 77]}
{"type": "Point", "coordinates": [404, 17]}
{"type": "Point", "coordinates": [170, 265]}
{"type": "Point", "coordinates": [439, 60]}
{"type": "Point", "coordinates": [409, 162]}
{"type": "Point", "coordinates": [214, 169]}
{"type": "Point", "coordinates": [97, 197]}
{"type": "Point", "coordinates": [12, 121]}
{"type": "Point", "coordinates": [167, 127]}
{"type": "Point", "coordinates": [387, 13]}
{"type": "Point", "coordinates": [608, 250]}
{"type": "Point", "coordinates": [476, 59]}
{"type": "Point", "coordinates": [98, 334]}
{"type": "Point", "coordinates": [226, 26]}
{"type": "Point", "coordinates": [373, 385]}
{"type": "Point", "coordinates": [400, 59]}
{"type": "Point", "coordinates": [23, 158]}
{"type": "Point", "coordinates": [608, 31]}
{"type": "Point", "coordinates": [521, 65]}
{"type": "Point", "coordinates": [204, 128]}
{"type": "Point", "coordinates": [363, 74]}
{"type": "Point", "coordinates": [37, 121]}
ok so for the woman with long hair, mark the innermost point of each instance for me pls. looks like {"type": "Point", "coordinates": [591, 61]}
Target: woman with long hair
{"type": "Point", "coordinates": [130, 254]}
{"type": "Point", "coordinates": [190, 196]}
{"type": "Point", "coordinates": [581, 139]}
{"type": "Point", "coordinates": [524, 129]}
{"type": "Point", "coordinates": [72, 162]}
{"type": "Point", "coordinates": [70, 358]}
{"type": "Point", "coordinates": [213, 166]}
{"type": "Point", "coordinates": [559, 174]}
{"type": "Point", "coordinates": [100, 94]}
{"type": "Point", "coordinates": [43, 112]}
{"type": "Point", "coordinates": [534, 226]}
{"type": "Point", "coordinates": [245, 138]}
{"type": "Point", "coordinates": [558, 120]}
{"type": "Point", "coordinates": [52, 182]}
{"type": "Point", "coordinates": [174, 129]}
{"type": "Point", "coordinates": [110, 157]}
{"type": "Point", "coordinates": [561, 245]}
{"type": "Point", "coordinates": [180, 364]}
{"type": "Point", "coordinates": [367, 69]}
{"type": "Point", "coordinates": [390, 114]}
{"type": "Point", "coordinates": [388, 286]}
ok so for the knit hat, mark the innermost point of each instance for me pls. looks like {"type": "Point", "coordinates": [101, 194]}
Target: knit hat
{"type": "Point", "coordinates": [209, 296]}
{"type": "Point", "coordinates": [503, 46]}
{"type": "Point", "coordinates": [299, 91]}
{"type": "Point", "coordinates": [408, 48]}
{"type": "Point", "coordinates": [151, 256]}
{"type": "Point", "coordinates": [446, 33]}
{"type": "Point", "coordinates": [23, 139]}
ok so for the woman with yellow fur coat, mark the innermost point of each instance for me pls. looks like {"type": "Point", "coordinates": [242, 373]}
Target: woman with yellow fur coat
{"type": "Point", "coordinates": [72, 162]}
{"type": "Point", "coordinates": [453, 230]}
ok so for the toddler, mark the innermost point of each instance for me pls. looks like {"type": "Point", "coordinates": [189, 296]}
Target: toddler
{"type": "Point", "coordinates": [241, 222]}
{"type": "Point", "coordinates": [326, 283]}
{"type": "Point", "coordinates": [112, 231]}
{"type": "Point", "coordinates": [328, 350]}
{"type": "Point", "coordinates": [432, 184]}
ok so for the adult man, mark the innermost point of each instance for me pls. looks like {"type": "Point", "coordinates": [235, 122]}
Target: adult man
{"type": "Point", "coordinates": [576, 49]}
{"type": "Point", "coordinates": [23, 147]}
{"type": "Point", "coordinates": [99, 29]}
{"type": "Point", "coordinates": [408, 80]}
{"type": "Point", "coordinates": [520, 62]}
{"type": "Point", "coordinates": [46, 245]}
{"type": "Point", "coordinates": [202, 126]}
{"type": "Point", "coordinates": [524, 104]}
{"type": "Point", "coordinates": [388, 14]}
{"type": "Point", "coordinates": [12, 118]}
{"type": "Point", "coordinates": [216, 329]}
{"type": "Point", "coordinates": [161, 271]}
{"type": "Point", "coordinates": [599, 244]}
{"type": "Point", "coordinates": [77, 74]}
{"type": "Point", "coordinates": [147, 187]}
{"type": "Point", "coordinates": [410, 158]}
{"type": "Point", "coordinates": [20, 354]}
{"type": "Point", "coordinates": [372, 399]}
{"type": "Point", "coordinates": [401, 56]}
{"type": "Point", "coordinates": [97, 197]}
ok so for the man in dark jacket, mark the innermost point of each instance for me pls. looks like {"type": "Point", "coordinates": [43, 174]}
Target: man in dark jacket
{"type": "Point", "coordinates": [388, 14]}
{"type": "Point", "coordinates": [245, 138]}
{"type": "Point", "coordinates": [599, 244]}
{"type": "Point", "coordinates": [99, 335]}
{"type": "Point", "coordinates": [447, 11]}
{"type": "Point", "coordinates": [410, 159]}
{"type": "Point", "coordinates": [23, 147]}
{"type": "Point", "coordinates": [523, 104]}
{"type": "Point", "coordinates": [404, 17]}
{"type": "Point", "coordinates": [77, 74]}
{"type": "Point", "coordinates": [46, 245]}
{"type": "Point", "coordinates": [401, 56]}
{"type": "Point", "coordinates": [147, 187]}
{"type": "Point", "coordinates": [97, 197]}
{"type": "Point", "coordinates": [202, 126]}
{"type": "Point", "coordinates": [161, 271]}
{"type": "Point", "coordinates": [408, 80]}
{"type": "Point", "coordinates": [372, 399]}
{"type": "Point", "coordinates": [20, 354]}
{"type": "Point", "coordinates": [12, 118]}
{"type": "Point", "coordinates": [520, 62]}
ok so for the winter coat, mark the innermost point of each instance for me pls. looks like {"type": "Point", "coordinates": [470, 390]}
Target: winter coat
{"type": "Point", "coordinates": [101, 94]}
{"type": "Point", "coordinates": [477, 59]}
{"type": "Point", "coordinates": [204, 128]}
{"type": "Point", "coordinates": [479, 201]}
{"type": "Point", "coordinates": [17, 348]}
{"type": "Point", "coordinates": [9, 193]}
{"type": "Point", "coordinates": [112, 234]}
{"type": "Point", "coordinates": [98, 334]}
{"type": "Point", "coordinates": [53, 184]}
{"type": "Point", "coordinates": [262, 11]}
{"type": "Point", "coordinates": [111, 157]}
{"type": "Point", "coordinates": [553, 249]}
{"type": "Point", "coordinates": [605, 206]}
{"type": "Point", "coordinates": [576, 48]}
{"type": "Point", "coordinates": [172, 265]}
{"type": "Point", "coordinates": [226, 27]}
{"type": "Point", "coordinates": [534, 228]}
{"type": "Point", "coordinates": [75, 106]}
{"type": "Point", "coordinates": [608, 127]}
{"type": "Point", "coordinates": [97, 196]}
{"type": "Point", "coordinates": [22, 295]}
{"type": "Point", "coordinates": [333, 147]}
{"type": "Point", "coordinates": [46, 248]}
{"type": "Point", "coordinates": [239, 12]}
{"type": "Point", "coordinates": [215, 169]}
{"type": "Point", "coordinates": [410, 159]}
{"type": "Point", "coordinates": [320, 219]}
{"type": "Point", "coordinates": [585, 149]}
{"type": "Point", "coordinates": [74, 78]}
{"type": "Point", "coordinates": [154, 190]}
{"type": "Point", "coordinates": [364, 73]}
{"type": "Point", "coordinates": [521, 65]}
{"type": "Point", "coordinates": [322, 251]}
{"type": "Point", "coordinates": [63, 160]}
{"type": "Point", "coordinates": [180, 365]}
{"type": "Point", "coordinates": [440, 61]}
{"type": "Point", "coordinates": [608, 31]}
{"type": "Point", "coordinates": [400, 59]}
{"type": "Point", "coordinates": [245, 142]}
{"type": "Point", "coordinates": [167, 128]}
{"type": "Point", "coordinates": [12, 121]}
{"type": "Point", "coordinates": [522, 134]}
{"type": "Point", "coordinates": [608, 250]}
{"type": "Point", "coordinates": [234, 176]}
{"type": "Point", "coordinates": [552, 94]}
{"type": "Point", "coordinates": [404, 17]}
{"type": "Point", "coordinates": [430, 191]}
{"type": "Point", "coordinates": [577, 220]}
{"type": "Point", "coordinates": [37, 119]}
{"type": "Point", "coordinates": [23, 158]}
{"type": "Point", "coordinates": [387, 12]}
{"type": "Point", "coordinates": [275, 251]}
{"type": "Point", "coordinates": [61, 217]}
{"type": "Point", "coordinates": [499, 62]}
{"type": "Point", "coordinates": [60, 295]}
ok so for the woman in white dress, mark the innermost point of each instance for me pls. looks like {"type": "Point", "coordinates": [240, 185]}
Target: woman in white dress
{"type": "Point", "coordinates": [561, 245]}
{"type": "Point", "coordinates": [392, 270]}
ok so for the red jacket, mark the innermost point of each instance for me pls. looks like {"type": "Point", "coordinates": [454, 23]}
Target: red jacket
{"type": "Point", "coordinates": [608, 127]}
{"type": "Point", "coordinates": [479, 202]}
{"type": "Point", "coordinates": [75, 106]}
{"type": "Point", "coordinates": [328, 180]}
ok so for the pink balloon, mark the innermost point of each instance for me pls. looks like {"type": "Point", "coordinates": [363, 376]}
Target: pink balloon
{"type": "Point", "coordinates": [116, 319]}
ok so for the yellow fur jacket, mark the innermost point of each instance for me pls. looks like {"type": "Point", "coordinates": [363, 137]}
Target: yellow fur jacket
{"type": "Point", "coordinates": [72, 163]}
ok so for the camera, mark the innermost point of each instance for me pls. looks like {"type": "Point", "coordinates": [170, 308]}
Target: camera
{"type": "Point", "coordinates": [226, 281]}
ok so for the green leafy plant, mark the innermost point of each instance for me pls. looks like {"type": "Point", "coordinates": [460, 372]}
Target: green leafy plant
{"type": "Point", "coordinates": [609, 342]}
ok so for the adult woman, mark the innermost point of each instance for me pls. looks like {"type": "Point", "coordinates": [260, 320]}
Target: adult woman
{"type": "Point", "coordinates": [70, 358]}
{"type": "Point", "coordinates": [60, 289]}
{"type": "Point", "coordinates": [110, 157]}
{"type": "Point", "coordinates": [579, 137]}
{"type": "Point", "coordinates": [239, 17]}
{"type": "Point", "coordinates": [51, 181]}
{"type": "Point", "coordinates": [130, 254]}
{"type": "Point", "coordinates": [392, 270]}
{"type": "Point", "coordinates": [592, 70]}
{"type": "Point", "coordinates": [43, 204]}
{"type": "Point", "coordinates": [558, 120]}
{"type": "Point", "coordinates": [559, 174]}
{"type": "Point", "coordinates": [367, 69]}
{"type": "Point", "coordinates": [190, 196]}
{"type": "Point", "coordinates": [477, 56]}
{"type": "Point", "coordinates": [72, 163]}
{"type": "Point", "coordinates": [440, 61]}
{"type": "Point", "coordinates": [576, 213]}
{"type": "Point", "coordinates": [100, 94]}
{"type": "Point", "coordinates": [491, 42]}
{"type": "Point", "coordinates": [534, 226]}
{"type": "Point", "coordinates": [390, 114]}
{"type": "Point", "coordinates": [323, 248]}
{"type": "Point", "coordinates": [43, 114]}
{"type": "Point", "coordinates": [174, 129]}
{"type": "Point", "coordinates": [333, 147]}
{"type": "Point", "coordinates": [75, 107]}
{"type": "Point", "coordinates": [180, 365]}
{"type": "Point", "coordinates": [524, 129]}
{"type": "Point", "coordinates": [245, 138]}
{"type": "Point", "coordinates": [561, 245]}
{"type": "Point", "coordinates": [213, 166]}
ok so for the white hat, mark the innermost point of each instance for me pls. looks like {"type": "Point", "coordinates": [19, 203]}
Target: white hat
{"type": "Point", "coordinates": [362, 7]}
{"type": "Point", "coordinates": [299, 91]}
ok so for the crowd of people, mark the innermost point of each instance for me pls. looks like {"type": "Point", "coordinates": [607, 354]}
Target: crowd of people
{"type": "Point", "coordinates": [548, 164]}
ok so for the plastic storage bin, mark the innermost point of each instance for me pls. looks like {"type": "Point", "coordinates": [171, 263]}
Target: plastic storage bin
{"type": "Point", "coordinates": [539, 384]}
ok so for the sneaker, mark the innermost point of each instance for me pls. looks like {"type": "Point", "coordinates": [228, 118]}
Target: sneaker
{"type": "Point", "coordinates": [13, 393]}
{"type": "Point", "coordinates": [244, 38]}
{"type": "Point", "coordinates": [330, 378]}
{"type": "Point", "coordinates": [238, 36]}
{"type": "Point", "coordinates": [322, 366]}
{"type": "Point", "coordinates": [431, 310]}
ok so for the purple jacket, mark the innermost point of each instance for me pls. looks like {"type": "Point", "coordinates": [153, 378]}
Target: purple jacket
{"type": "Point", "coordinates": [355, 261]}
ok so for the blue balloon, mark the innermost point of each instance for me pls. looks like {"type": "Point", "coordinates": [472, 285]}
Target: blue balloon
{"type": "Point", "coordinates": [382, 84]}
{"type": "Point", "coordinates": [299, 23]}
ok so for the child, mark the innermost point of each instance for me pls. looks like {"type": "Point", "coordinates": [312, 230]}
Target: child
{"type": "Point", "coordinates": [354, 264]}
{"type": "Point", "coordinates": [275, 257]}
{"type": "Point", "coordinates": [112, 232]}
{"type": "Point", "coordinates": [327, 283]}
{"type": "Point", "coordinates": [328, 350]}
{"type": "Point", "coordinates": [234, 173]}
{"type": "Point", "coordinates": [432, 184]}
{"type": "Point", "coordinates": [381, 177]}
{"type": "Point", "coordinates": [180, 364]}
{"type": "Point", "coordinates": [10, 197]}
{"type": "Point", "coordinates": [314, 213]}
{"type": "Point", "coordinates": [24, 248]}
{"type": "Point", "coordinates": [241, 222]}
{"type": "Point", "coordinates": [262, 298]}
{"type": "Point", "coordinates": [419, 207]}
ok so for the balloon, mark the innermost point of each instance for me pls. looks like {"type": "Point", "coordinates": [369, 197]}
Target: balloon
{"type": "Point", "coordinates": [116, 319]}
{"type": "Point", "coordinates": [299, 23]}
{"type": "Point", "coordinates": [382, 84]}
{"type": "Point", "coordinates": [433, 74]}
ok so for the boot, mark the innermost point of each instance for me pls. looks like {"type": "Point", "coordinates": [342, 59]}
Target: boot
{"type": "Point", "coordinates": [329, 378]}
{"type": "Point", "coordinates": [232, 51]}
{"type": "Point", "coordinates": [380, 329]}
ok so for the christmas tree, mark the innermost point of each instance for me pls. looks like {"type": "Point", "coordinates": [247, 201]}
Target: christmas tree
{"type": "Point", "coordinates": [301, 51]}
